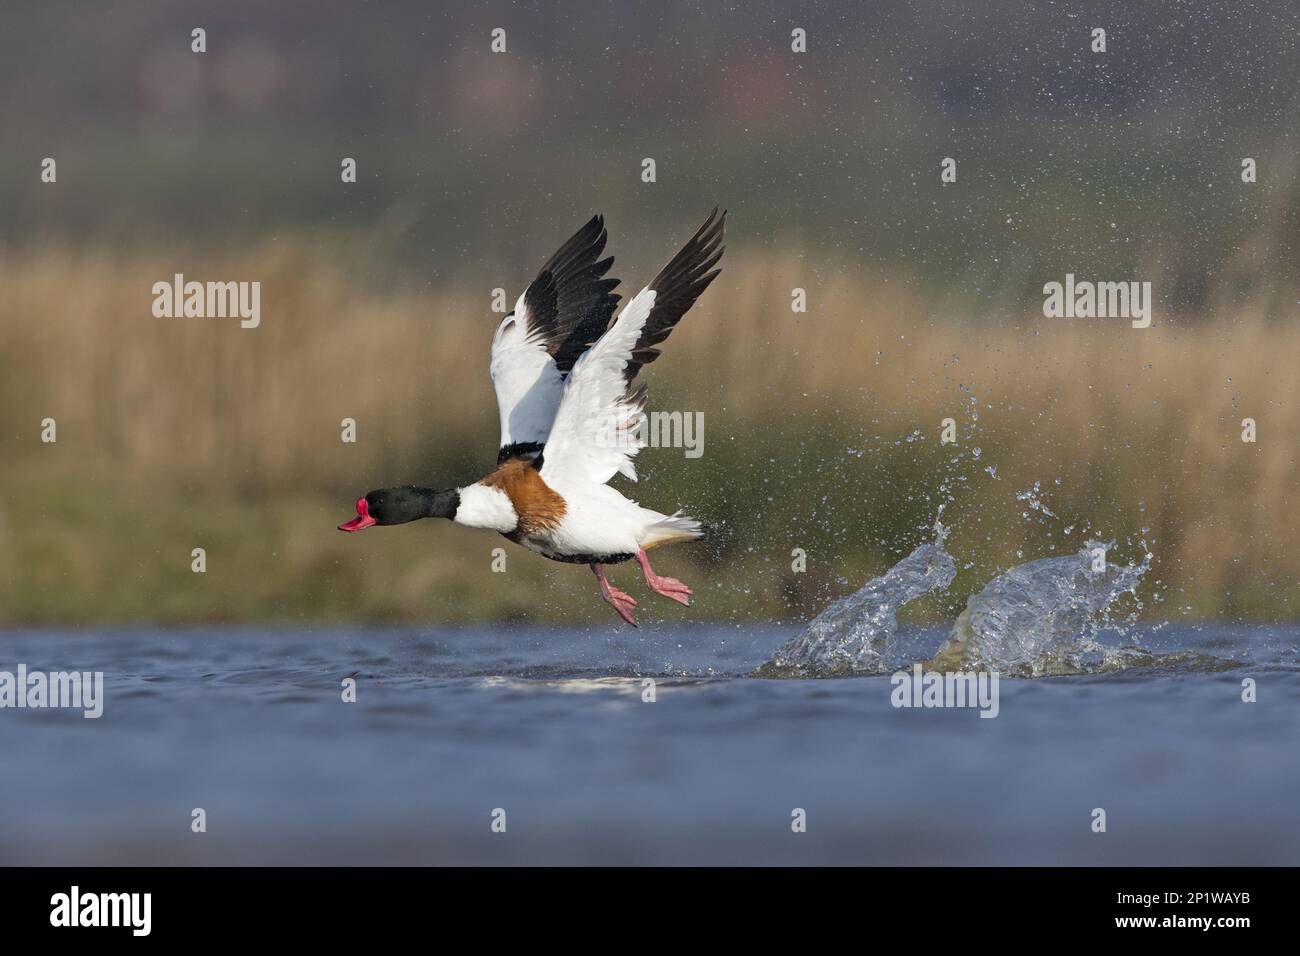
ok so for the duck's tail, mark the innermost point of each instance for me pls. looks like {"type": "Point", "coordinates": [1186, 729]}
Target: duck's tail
{"type": "Point", "coordinates": [670, 528]}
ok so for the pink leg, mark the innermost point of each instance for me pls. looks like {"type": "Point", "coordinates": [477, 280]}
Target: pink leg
{"type": "Point", "coordinates": [668, 587]}
{"type": "Point", "coordinates": [620, 602]}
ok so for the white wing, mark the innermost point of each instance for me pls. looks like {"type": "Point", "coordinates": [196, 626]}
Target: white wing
{"type": "Point", "coordinates": [594, 434]}
{"type": "Point", "coordinates": [527, 382]}
{"type": "Point", "coordinates": [561, 313]}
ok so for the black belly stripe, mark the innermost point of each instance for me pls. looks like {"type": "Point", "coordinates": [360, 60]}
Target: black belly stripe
{"type": "Point", "coordinates": [590, 558]}
{"type": "Point", "coordinates": [571, 558]}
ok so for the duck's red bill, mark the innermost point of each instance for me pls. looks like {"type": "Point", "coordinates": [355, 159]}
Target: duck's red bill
{"type": "Point", "coordinates": [362, 520]}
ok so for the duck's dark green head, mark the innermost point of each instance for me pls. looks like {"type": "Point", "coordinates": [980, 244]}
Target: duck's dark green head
{"type": "Point", "coordinates": [400, 505]}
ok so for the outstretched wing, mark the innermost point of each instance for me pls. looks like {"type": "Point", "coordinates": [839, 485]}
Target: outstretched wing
{"type": "Point", "coordinates": [561, 313]}
{"type": "Point", "coordinates": [594, 434]}
{"type": "Point", "coordinates": [595, 430]}
{"type": "Point", "coordinates": [677, 286]}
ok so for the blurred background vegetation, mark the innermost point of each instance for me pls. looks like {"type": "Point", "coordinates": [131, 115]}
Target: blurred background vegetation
{"type": "Point", "coordinates": [821, 428]}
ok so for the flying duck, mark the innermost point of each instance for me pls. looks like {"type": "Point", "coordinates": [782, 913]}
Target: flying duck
{"type": "Point", "coordinates": [563, 376]}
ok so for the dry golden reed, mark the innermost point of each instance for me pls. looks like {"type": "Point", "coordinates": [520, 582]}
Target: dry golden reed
{"type": "Point", "coordinates": [1142, 423]}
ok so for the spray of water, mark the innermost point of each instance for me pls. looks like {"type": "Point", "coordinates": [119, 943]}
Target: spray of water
{"type": "Point", "coordinates": [858, 634]}
{"type": "Point", "coordinates": [1041, 618]}
{"type": "Point", "coordinates": [1038, 619]}
{"type": "Point", "coordinates": [1044, 617]}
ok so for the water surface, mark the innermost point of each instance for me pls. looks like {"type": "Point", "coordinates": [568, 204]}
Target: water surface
{"type": "Point", "coordinates": [550, 726]}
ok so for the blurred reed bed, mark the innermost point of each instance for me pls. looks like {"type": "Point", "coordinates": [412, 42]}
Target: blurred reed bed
{"type": "Point", "coordinates": [821, 433]}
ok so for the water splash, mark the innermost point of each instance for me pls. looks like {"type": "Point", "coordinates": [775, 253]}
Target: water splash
{"type": "Point", "coordinates": [1033, 498]}
{"type": "Point", "coordinates": [1039, 619]}
{"type": "Point", "coordinates": [858, 634]}
{"type": "Point", "coordinates": [1043, 618]}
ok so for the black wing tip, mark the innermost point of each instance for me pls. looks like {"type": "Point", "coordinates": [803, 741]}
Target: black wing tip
{"type": "Point", "coordinates": [685, 273]}
{"type": "Point", "coordinates": [709, 235]}
{"type": "Point", "coordinates": [596, 227]}
{"type": "Point", "coordinates": [582, 247]}
{"type": "Point", "coordinates": [677, 287]}
{"type": "Point", "coordinates": [714, 226]}
{"type": "Point", "coordinates": [571, 300]}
